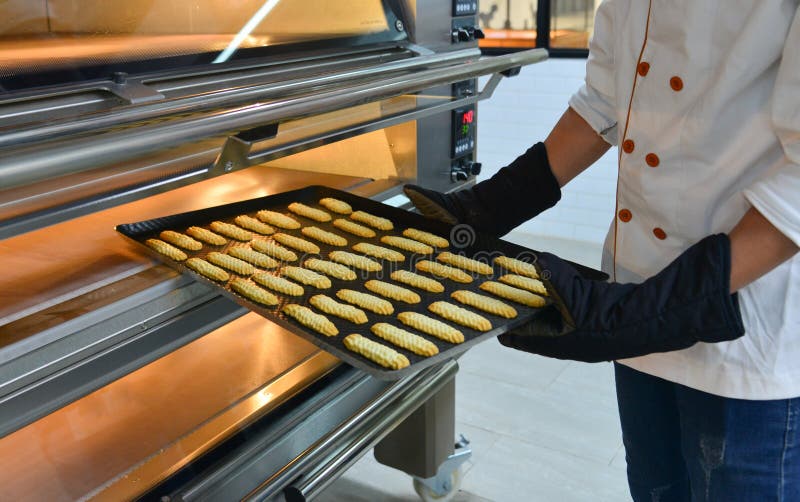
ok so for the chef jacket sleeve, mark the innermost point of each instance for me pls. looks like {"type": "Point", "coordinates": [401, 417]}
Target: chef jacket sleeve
{"type": "Point", "coordinates": [777, 196]}
{"type": "Point", "coordinates": [595, 101]}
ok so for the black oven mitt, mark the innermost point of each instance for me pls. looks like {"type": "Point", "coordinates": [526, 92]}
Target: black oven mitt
{"type": "Point", "coordinates": [517, 193]}
{"type": "Point", "coordinates": [687, 302]}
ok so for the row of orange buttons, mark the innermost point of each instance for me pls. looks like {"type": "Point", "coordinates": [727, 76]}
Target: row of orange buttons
{"type": "Point", "coordinates": [676, 83]}
{"type": "Point", "coordinates": [625, 216]}
{"type": "Point", "coordinates": [651, 159]}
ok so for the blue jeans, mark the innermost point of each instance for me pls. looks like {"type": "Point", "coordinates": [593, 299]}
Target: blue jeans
{"type": "Point", "coordinates": [682, 444]}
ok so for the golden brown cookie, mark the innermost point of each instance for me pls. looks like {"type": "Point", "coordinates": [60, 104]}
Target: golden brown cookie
{"type": "Point", "coordinates": [253, 224]}
{"type": "Point", "coordinates": [366, 301]}
{"type": "Point", "coordinates": [405, 339]}
{"type": "Point", "coordinates": [444, 271]}
{"type": "Point", "coordinates": [331, 306]}
{"type": "Point", "coordinates": [324, 236]}
{"type": "Point", "coordinates": [253, 292]}
{"type": "Point", "coordinates": [231, 231]}
{"type": "Point", "coordinates": [372, 220]}
{"type": "Point", "coordinates": [207, 236]}
{"type": "Point", "coordinates": [391, 291]}
{"type": "Point", "coordinates": [336, 205]}
{"type": "Point", "coordinates": [296, 243]}
{"type": "Point", "coordinates": [465, 263]}
{"type": "Point", "coordinates": [310, 319]}
{"type": "Point", "coordinates": [278, 284]}
{"type": "Point", "coordinates": [181, 240]}
{"type": "Point", "coordinates": [354, 260]}
{"type": "Point", "coordinates": [353, 228]}
{"type": "Point", "coordinates": [460, 315]}
{"type": "Point", "coordinates": [379, 252]}
{"type": "Point", "coordinates": [254, 257]}
{"type": "Point", "coordinates": [309, 212]}
{"type": "Point", "coordinates": [376, 352]}
{"type": "Point", "coordinates": [278, 219]}
{"type": "Point", "coordinates": [202, 267]}
{"type": "Point", "coordinates": [417, 281]}
{"type": "Point", "coordinates": [407, 244]}
{"type": "Point", "coordinates": [522, 282]}
{"type": "Point", "coordinates": [517, 266]}
{"type": "Point", "coordinates": [431, 326]}
{"type": "Point", "coordinates": [330, 268]}
{"type": "Point", "coordinates": [485, 303]}
{"type": "Point", "coordinates": [426, 237]}
{"type": "Point", "coordinates": [241, 267]}
{"type": "Point", "coordinates": [513, 294]}
{"type": "Point", "coordinates": [308, 277]}
{"type": "Point", "coordinates": [274, 250]}
{"type": "Point", "coordinates": [167, 250]}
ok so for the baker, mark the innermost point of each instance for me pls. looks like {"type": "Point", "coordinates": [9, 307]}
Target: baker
{"type": "Point", "coordinates": [702, 313]}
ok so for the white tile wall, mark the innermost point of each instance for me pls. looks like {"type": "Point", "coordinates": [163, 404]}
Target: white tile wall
{"type": "Point", "coordinates": [521, 112]}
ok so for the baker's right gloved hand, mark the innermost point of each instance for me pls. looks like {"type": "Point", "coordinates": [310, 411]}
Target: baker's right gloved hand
{"type": "Point", "coordinates": [517, 193]}
{"type": "Point", "coordinates": [689, 301]}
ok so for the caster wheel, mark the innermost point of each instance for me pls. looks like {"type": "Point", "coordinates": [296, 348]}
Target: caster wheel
{"type": "Point", "coordinates": [427, 495]}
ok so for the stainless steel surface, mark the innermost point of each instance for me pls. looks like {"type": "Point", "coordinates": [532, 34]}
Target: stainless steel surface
{"type": "Point", "coordinates": [296, 78]}
{"type": "Point", "coordinates": [80, 306]}
{"type": "Point", "coordinates": [28, 165]}
{"type": "Point", "coordinates": [423, 441]}
{"type": "Point", "coordinates": [135, 431]}
{"type": "Point", "coordinates": [71, 35]}
{"type": "Point", "coordinates": [352, 439]}
{"type": "Point", "coordinates": [66, 260]}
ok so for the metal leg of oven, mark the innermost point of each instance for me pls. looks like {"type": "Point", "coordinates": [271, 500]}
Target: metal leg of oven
{"type": "Point", "coordinates": [422, 446]}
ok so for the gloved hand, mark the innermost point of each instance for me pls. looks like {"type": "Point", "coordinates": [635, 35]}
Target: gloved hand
{"type": "Point", "coordinates": [687, 302]}
{"type": "Point", "coordinates": [514, 195]}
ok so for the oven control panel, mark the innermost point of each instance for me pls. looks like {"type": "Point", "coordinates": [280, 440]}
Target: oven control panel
{"type": "Point", "coordinates": [465, 7]}
{"type": "Point", "coordinates": [464, 122]}
{"type": "Point", "coordinates": [463, 131]}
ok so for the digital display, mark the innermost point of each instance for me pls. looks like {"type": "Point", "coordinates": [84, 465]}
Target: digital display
{"type": "Point", "coordinates": [463, 131]}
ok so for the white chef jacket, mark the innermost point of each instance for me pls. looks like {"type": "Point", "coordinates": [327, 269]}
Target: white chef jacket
{"type": "Point", "coordinates": [703, 97]}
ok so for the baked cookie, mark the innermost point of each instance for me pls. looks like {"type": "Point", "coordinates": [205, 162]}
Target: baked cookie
{"type": "Point", "coordinates": [253, 224]}
{"type": "Point", "coordinates": [417, 281]}
{"type": "Point", "coordinates": [310, 319]}
{"type": "Point", "coordinates": [372, 220]}
{"type": "Point", "coordinates": [181, 240]}
{"type": "Point", "coordinates": [366, 301]}
{"type": "Point", "coordinates": [376, 352]}
{"type": "Point", "coordinates": [309, 212]}
{"type": "Point", "coordinates": [207, 236]}
{"type": "Point", "coordinates": [513, 294]}
{"type": "Point", "coordinates": [278, 219]}
{"type": "Point", "coordinates": [331, 306]}
{"type": "Point", "coordinates": [405, 339]}
{"type": "Point", "coordinates": [336, 205]}
{"type": "Point", "coordinates": [444, 271]}
{"type": "Point", "coordinates": [485, 303]}
{"type": "Point", "coordinates": [354, 228]}
{"type": "Point", "coordinates": [431, 326]}
{"type": "Point", "coordinates": [426, 237]}
{"type": "Point", "coordinates": [391, 291]}
{"type": "Point", "coordinates": [167, 250]}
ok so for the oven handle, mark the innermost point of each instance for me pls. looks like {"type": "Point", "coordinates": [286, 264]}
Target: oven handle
{"type": "Point", "coordinates": [29, 164]}
{"type": "Point", "coordinates": [323, 462]}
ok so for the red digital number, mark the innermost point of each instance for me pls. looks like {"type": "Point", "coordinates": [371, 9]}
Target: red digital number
{"type": "Point", "coordinates": [468, 117]}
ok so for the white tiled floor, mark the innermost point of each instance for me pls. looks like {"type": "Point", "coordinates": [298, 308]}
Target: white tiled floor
{"type": "Point", "coordinates": [540, 429]}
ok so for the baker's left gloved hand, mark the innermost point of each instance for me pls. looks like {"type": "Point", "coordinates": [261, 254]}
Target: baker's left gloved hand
{"type": "Point", "coordinates": [687, 302]}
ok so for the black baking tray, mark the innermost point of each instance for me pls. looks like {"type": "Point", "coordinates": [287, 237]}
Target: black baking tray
{"type": "Point", "coordinates": [463, 240]}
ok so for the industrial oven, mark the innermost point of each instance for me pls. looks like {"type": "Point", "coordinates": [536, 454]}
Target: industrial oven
{"type": "Point", "coordinates": [121, 379]}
